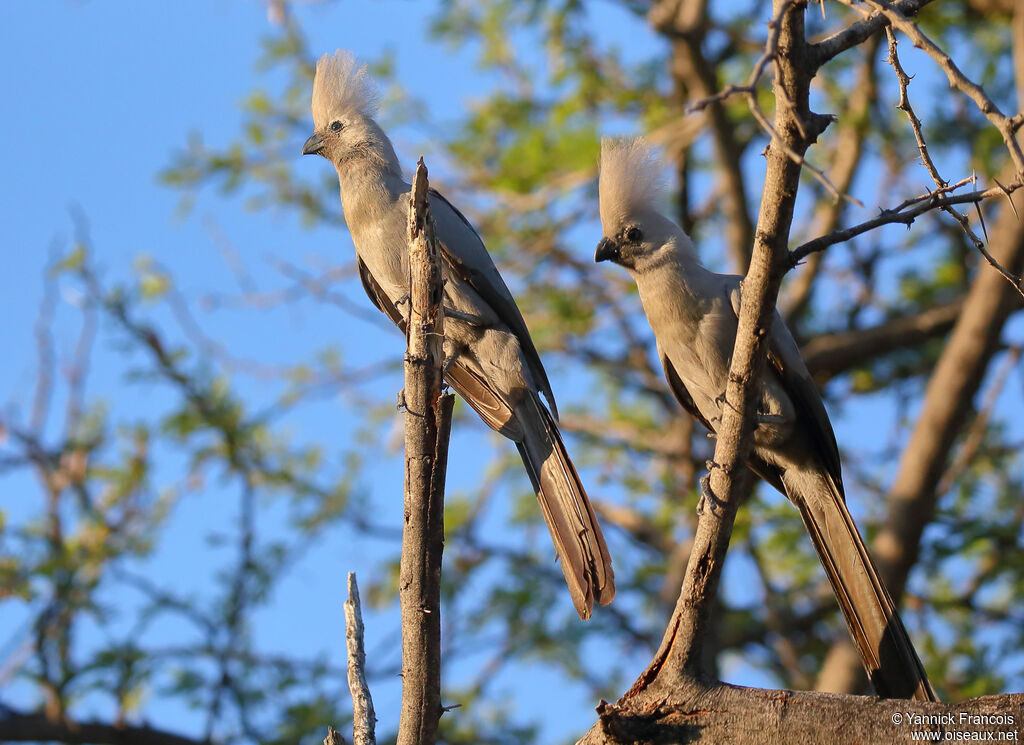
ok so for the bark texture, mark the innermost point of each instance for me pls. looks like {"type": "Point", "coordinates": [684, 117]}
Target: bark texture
{"type": "Point", "coordinates": [427, 427]}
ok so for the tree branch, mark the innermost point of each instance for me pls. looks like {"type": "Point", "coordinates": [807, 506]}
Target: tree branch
{"type": "Point", "coordinates": [755, 716]}
{"type": "Point", "coordinates": [1007, 126]}
{"type": "Point", "coordinates": [905, 213]}
{"type": "Point", "coordinates": [677, 665]}
{"type": "Point", "coordinates": [427, 427]}
{"type": "Point", "coordinates": [363, 717]}
{"type": "Point", "coordinates": [858, 32]}
{"type": "Point", "coordinates": [18, 727]}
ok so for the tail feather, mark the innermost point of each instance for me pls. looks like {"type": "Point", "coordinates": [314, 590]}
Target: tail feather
{"type": "Point", "coordinates": [878, 633]}
{"type": "Point", "coordinates": [570, 518]}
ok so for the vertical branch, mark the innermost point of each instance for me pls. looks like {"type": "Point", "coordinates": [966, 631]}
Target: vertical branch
{"type": "Point", "coordinates": [363, 717]}
{"type": "Point", "coordinates": [761, 287]}
{"type": "Point", "coordinates": [679, 660]}
{"type": "Point", "coordinates": [427, 426]}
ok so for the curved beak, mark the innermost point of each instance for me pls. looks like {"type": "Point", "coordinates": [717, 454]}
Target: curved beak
{"type": "Point", "coordinates": [607, 250]}
{"type": "Point", "coordinates": [313, 145]}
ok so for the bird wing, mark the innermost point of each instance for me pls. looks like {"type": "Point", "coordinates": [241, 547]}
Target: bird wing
{"type": "Point", "coordinates": [474, 389]}
{"type": "Point", "coordinates": [675, 383]}
{"type": "Point", "coordinates": [767, 472]}
{"type": "Point", "coordinates": [785, 360]}
{"type": "Point", "coordinates": [464, 251]}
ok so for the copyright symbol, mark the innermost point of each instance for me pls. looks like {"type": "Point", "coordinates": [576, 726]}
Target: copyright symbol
{"type": "Point", "coordinates": [897, 718]}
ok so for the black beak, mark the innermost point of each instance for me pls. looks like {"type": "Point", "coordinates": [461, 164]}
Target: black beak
{"type": "Point", "coordinates": [607, 250]}
{"type": "Point", "coordinates": [313, 145]}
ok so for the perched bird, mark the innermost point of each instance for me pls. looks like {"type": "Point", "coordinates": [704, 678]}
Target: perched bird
{"type": "Point", "coordinates": [694, 315]}
{"type": "Point", "coordinates": [491, 360]}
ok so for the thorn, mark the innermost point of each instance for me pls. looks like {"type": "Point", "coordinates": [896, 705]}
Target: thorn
{"type": "Point", "coordinates": [981, 218]}
{"type": "Point", "coordinates": [1009, 198]}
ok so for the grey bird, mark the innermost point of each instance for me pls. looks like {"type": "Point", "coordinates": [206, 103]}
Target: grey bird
{"type": "Point", "coordinates": [491, 361]}
{"type": "Point", "coordinates": [694, 315]}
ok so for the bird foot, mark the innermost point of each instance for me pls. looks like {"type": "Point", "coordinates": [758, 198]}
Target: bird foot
{"type": "Point", "coordinates": [707, 496]}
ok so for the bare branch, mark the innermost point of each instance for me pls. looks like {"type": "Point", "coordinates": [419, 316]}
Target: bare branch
{"type": "Point", "coordinates": [363, 717]}
{"type": "Point", "coordinates": [905, 213]}
{"type": "Point", "coordinates": [857, 33]}
{"type": "Point", "coordinates": [678, 661]}
{"type": "Point", "coordinates": [18, 727]}
{"type": "Point", "coordinates": [829, 355]}
{"type": "Point", "coordinates": [933, 171]}
{"type": "Point", "coordinates": [427, 427]}
{"type": "Point", "coordinates": [756, 716]}
{"type": "Point", "coordinates": [750, 92]}
{"type": "Point", "coordinates": [1006, 125]}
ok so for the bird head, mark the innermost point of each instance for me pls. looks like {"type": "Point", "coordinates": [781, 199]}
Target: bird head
{"type": "Point", "coordinates": [635, 234]}
{"type": "Point", "coordinates": [344, 103]}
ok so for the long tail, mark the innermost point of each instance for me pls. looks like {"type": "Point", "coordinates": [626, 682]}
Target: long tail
{"type": "Point", "coordinates": [878, 633]}
{"type": "Point", "coordinates": [580, 546]}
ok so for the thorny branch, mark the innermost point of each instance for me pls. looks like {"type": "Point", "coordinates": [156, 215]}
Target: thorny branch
{"type": "Point", "coordinates": [1006, 126]}
{"type": "Point", "coordinates": [929, 164]}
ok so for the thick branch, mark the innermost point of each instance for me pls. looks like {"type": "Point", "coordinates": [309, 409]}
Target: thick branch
{"type": "Point", "coordinates": [427, 426]}
{"type": "Point", "coordinates": [730, 714]}
{"type": "Point", "coordinates": [829, 355]}
{"type": "Point", "coordinates": [678, 661]}
{"type": "Point", "coordinates": [18, 727]}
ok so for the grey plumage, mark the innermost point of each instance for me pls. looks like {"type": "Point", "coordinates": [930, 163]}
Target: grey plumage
{"type": "Point", "coordinates": [491, 360]}
{"type": "Point", "coordinates": [694, 315]}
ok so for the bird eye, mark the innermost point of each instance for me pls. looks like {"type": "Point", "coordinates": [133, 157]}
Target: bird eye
{"type": "Point", "coordinates": [336, 126]}
{"type": "Point", "coordinates": [633, 235]}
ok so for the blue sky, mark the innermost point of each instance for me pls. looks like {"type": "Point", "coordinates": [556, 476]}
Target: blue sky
{"type": "Point", "coordinates": [101, 95]}
{"type": "Point", "coordinates": [104, 94]}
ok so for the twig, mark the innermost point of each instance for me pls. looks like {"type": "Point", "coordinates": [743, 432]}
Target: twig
{"type": "Point", "coordinates": [904, 213]}
{"type": "Point", "coordinates": [363, 717]}
{"type": "Point", "coordinates": [1006, 125]}
{"type": "Point", "coordinates": [750, 92]}
{"type": "Point", "coordinates": [856, 33]}
{"type": "Point", "coordinates": [929, 164]}
{"type": "Point", "coordinates": [427, 427]}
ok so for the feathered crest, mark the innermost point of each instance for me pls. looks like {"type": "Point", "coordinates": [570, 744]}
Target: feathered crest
{"type": "Point", "coordinates": [630, 178]}
{"type": "Point", "coordinates": [342, 86]}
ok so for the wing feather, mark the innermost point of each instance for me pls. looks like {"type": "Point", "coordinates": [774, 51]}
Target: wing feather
{"type": "Point", "coordinates": [471, 263]}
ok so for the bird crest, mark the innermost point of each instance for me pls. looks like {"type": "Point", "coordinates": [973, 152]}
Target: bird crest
{"type": "Point", "coordinates": [630, 179]}
{"type": "Point", "coordinates": [342, 87]}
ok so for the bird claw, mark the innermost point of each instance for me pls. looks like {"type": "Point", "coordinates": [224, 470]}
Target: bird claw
{"type": "Point", "coordinates": [708, 496]}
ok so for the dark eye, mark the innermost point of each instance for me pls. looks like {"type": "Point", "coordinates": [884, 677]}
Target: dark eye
{"type": "Point", "coordinates": [336, 126]}
{"type": "Point", "coordinates": [633, 235]}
